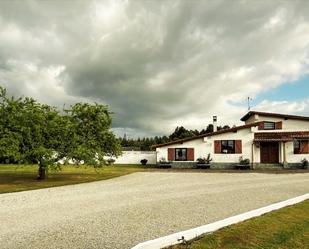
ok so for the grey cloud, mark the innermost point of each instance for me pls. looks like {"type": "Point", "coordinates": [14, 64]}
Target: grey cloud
{"type": "Point", "coordinates": [157, 64]}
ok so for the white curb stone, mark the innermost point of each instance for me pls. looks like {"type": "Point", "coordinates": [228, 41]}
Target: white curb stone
{"type": "Point", "coordinates": [190, 234]}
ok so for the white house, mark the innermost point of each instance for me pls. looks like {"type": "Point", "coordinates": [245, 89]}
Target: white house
{"type": "Point", "coordinates": [266, 139]}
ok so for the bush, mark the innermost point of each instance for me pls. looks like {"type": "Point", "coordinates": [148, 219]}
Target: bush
{"type": "Point", "coordinates": [204, 160]}
{"type": "Point", "coordinates": [201, 160]}
{"type": "Point", "coordinates": [208, 159]}
{"type": "Point", "coordinates": [144, 161]}
{"type": "Point", "coordinates": [243, 161]}
{"type": "Point", "coordinates": [304, 163]}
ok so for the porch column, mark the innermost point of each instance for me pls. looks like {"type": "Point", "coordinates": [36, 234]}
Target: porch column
{"type": "Point", "coordinates": [252, 156]}
{"type": "Point", "coordinates": [285, 163]}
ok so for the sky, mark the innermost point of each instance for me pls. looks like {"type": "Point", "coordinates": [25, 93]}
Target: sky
{"type": "Point", "coordinates": [159, 64]}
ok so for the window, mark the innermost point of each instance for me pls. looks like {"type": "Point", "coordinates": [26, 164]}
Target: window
{"type": "Point", "coordinates": [301, 146]}
{"type": "Point", "coordinates": [296, 146]}
{"type": "Point", "coordinates": [180, 154]}
{"type": "Point", "coordinates": [269, 125]}
{"type": "Point", "coordinates": [228, 146]}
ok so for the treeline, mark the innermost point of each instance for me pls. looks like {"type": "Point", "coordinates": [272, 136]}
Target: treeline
{"type": "Point", "coordinates": [181, 132]}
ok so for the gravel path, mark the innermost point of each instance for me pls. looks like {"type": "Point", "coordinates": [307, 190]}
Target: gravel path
{"type": "Point", "coordinates": [124, 211]}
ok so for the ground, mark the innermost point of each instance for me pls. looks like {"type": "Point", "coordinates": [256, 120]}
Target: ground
{"type": "Point", "coordinates": [15, 178]}
{"type": "Point", "coordinates": [123, 211]}
{"type": "Point", "coordinates": [286, 228]}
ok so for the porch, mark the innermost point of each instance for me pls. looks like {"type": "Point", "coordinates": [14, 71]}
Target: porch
{"type": "Point", "coordinates": [276, 148]}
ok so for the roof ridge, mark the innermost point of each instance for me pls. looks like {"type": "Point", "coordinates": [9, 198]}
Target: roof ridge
{"type": "Point", "coordinates": [291, 116]}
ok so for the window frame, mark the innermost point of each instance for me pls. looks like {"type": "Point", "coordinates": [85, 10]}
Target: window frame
{"type": "Point", "coordinates": [186, 154]}
{"type": "Point", "coordinates": [225, 147]}
{"type": "Point", "coordinates": [270, 122]}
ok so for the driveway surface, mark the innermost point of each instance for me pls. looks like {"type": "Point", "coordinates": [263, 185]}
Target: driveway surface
{"type": "Point", "coordinates": [121, 212]}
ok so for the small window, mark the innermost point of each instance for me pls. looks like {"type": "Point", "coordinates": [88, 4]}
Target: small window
{"type": "Point", "coordinates": [269, 125]}
{"type": "Point", "coordinates": [296, 146]}
{"type": "Point", "coordinates": [180, 154]}
{"type": "Point", "coordinates": [228, 146]}
{"type": "Point", "coordinates": [301, 146]}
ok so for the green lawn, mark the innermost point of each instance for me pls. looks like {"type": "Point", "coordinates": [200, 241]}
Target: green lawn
{"type": "Point", "coordinates": [286, 228]}
{"type": "Point", "coordinates": [15, 178]}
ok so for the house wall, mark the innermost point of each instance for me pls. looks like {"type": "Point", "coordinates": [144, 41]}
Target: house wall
{"type": "Point", "coordinates": [291, 157]}
{"type": "Point", "coordinates": [246, 135]}
{"type": "Point", "coordinates": [252, 119]}
{"type": "Point", "coordinates": [135, 157]}
{"type": "Point", "coordinates": [287, 125]}
{"type": "Point", "coordinates": [204, 146]}
{"type": "Point", "coordinates": [199, 146]}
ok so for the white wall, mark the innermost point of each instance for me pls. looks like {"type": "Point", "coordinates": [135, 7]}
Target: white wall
{"type": "Point", "coordinates": [291, 157]}
{"type": "Point", "coordinates": [245, 135]}
{"type": "Point", "coordinates": [135, 157]}
{"type": "Point", "coordinates": [287, 125]}
{"type": "Point", "coordinates": [198, 145]}
{"type": "Point", "coordinates": [204, 146]}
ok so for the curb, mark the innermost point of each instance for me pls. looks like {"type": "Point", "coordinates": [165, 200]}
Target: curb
{"type": "Point", "coordinates": [190, 234]}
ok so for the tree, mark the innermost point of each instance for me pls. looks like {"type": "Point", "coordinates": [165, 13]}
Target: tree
{"type": "Point", "coordinates": [92, 139]}
{"type": "Point", "coordinates": [209, 128]}
{"type": "Point", "coordinates": [179, 133]}
{"type": "Point", "coordinates": [31, 132]}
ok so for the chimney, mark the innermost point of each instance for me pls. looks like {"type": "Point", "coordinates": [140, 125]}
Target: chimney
{"type": "Point", "coordinates": [215, 123]}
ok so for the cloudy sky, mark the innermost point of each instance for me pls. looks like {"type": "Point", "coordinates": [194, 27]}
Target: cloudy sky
{"type": "Point", "coordinates": [159, 64]}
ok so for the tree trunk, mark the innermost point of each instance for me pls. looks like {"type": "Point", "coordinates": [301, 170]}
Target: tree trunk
{"type": "Point", "coordinates": [42, 172]}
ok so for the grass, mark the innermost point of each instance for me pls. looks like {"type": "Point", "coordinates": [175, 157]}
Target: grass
{"type": "Point", "coordinates": [286, 228]}
{"type": "Point", "coordinates": [14, 178]}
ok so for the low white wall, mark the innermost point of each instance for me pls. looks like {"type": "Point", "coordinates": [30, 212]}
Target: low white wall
{"type": "Point", "coordinates": [135, 157]}
{"type": "Point", "coordinates": [193, 233]}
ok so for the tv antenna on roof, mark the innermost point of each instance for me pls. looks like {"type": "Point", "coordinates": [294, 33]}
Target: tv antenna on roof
{"type": "Point", "coordinates": [248, 100]}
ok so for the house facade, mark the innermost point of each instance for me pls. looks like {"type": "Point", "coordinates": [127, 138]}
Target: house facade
{"type": "Point", "coordinates": [267, 139]}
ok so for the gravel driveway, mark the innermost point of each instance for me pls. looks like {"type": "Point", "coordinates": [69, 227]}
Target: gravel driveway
{"type": "Point", "coordinates": [124, 211]}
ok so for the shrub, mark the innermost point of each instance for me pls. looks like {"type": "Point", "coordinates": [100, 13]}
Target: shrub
{"type": "Point", "coordinates": [305, 163]}
{"type": "Point", "coordinates": [144, 161]}
{"type": "Point", "coordinates": [243, 161]}
{"type": "Point", "coordinates": [208, 159]}
{"type": "Point", "coordinates": [203, 160]}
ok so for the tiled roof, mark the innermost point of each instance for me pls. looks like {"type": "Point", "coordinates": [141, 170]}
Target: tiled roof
{"type": "Point", "coordinates": [280, 136]}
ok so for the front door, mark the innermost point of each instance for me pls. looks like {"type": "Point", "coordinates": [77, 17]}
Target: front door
{"type": "Point", "coordinates": [269, 152]}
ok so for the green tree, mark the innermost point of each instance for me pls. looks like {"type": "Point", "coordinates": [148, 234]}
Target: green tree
{"type": "Point", "coordinates": [93, 139]}
{"type": "Point", "coordinates": [31, 132]}
{"type": "Point", "coordinates": [181, 132]}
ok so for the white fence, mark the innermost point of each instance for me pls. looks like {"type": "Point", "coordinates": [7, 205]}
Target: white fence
{"type": "Point", "coordinates": [135, 157]}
